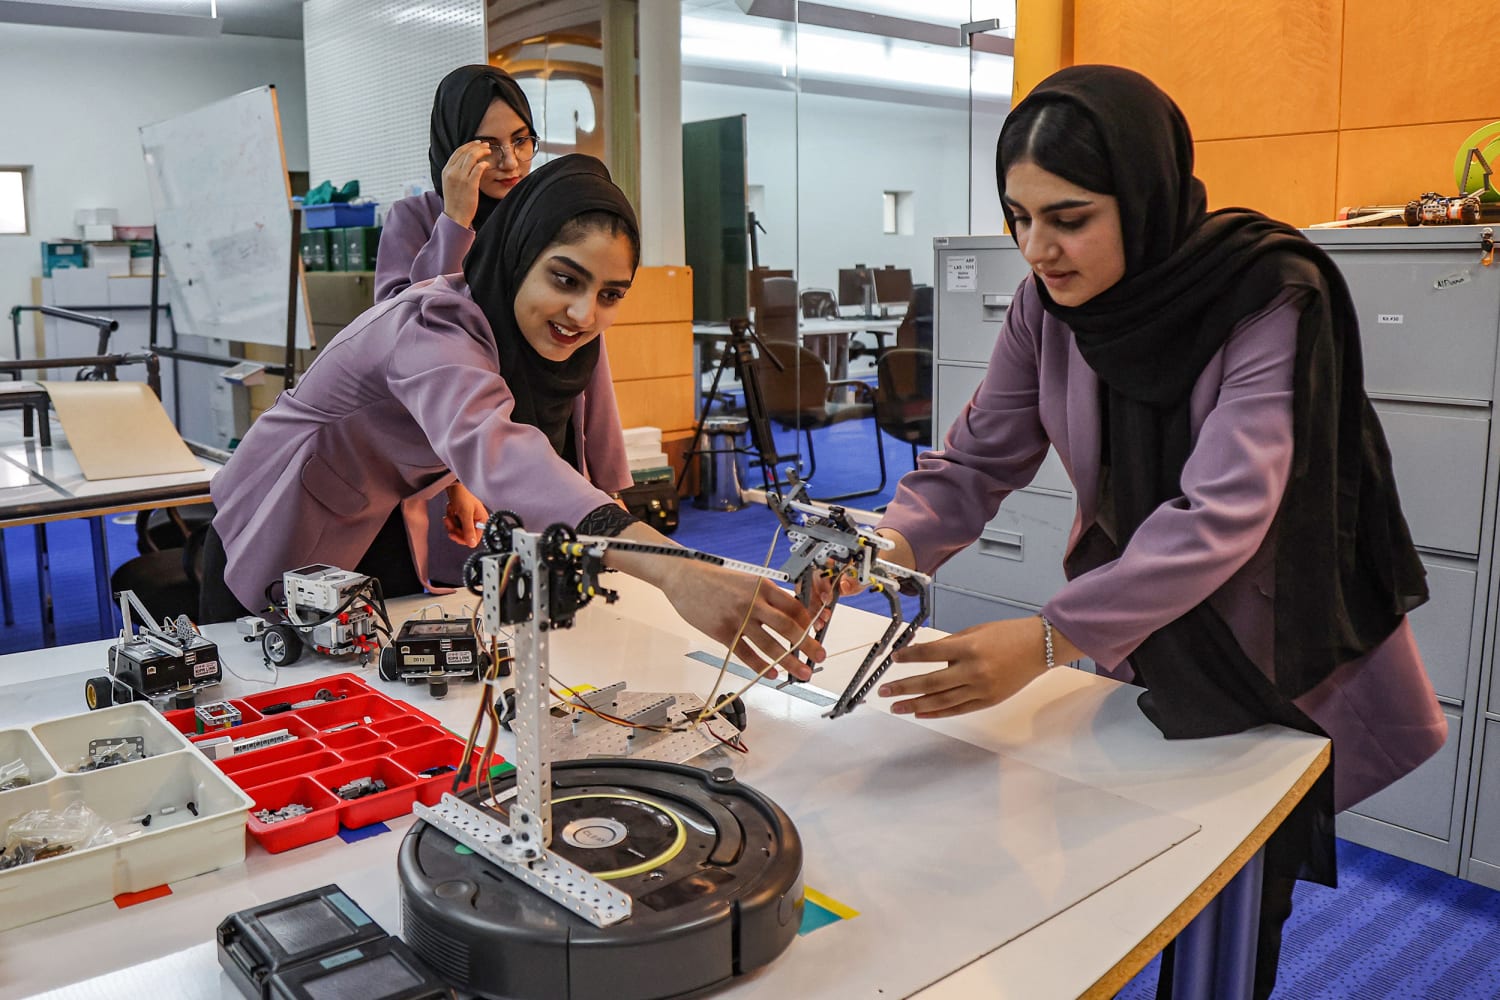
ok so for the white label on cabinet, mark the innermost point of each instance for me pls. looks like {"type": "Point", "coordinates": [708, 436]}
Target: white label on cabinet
{"type": "Point", "coordinates": [1391, 319]}
{"type": "Point", "coordinates": [963, 273]}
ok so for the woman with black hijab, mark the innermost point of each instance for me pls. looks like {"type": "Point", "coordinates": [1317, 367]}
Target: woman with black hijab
{"type": "Point", "coordinates": [1238, 548]}
{"type": "Point", "coordinates": [482, 143]}
{"type": "Point", "coordinates": [499, 375]}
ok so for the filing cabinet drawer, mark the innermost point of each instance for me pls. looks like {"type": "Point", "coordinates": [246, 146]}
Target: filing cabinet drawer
{"type": "Point", "coordinates": [1423, 800]}
{"type": "Point", "coordinates": [955, 610]}
{"type": "Point", "coordinates": [1487, 816]}
{"type": "Point", "coordinates": [1427, 319]}
{"type": "Point", "coordinates": [1019, 555]}
{"type": "Point", "coordinates": [1443, 627]}
{"type": "Point", "coordinates": [974, 290]}
{"type": "Point", "coordinates": [955, 387]}
{"type": "Point", "coordinates": [1439, 454]}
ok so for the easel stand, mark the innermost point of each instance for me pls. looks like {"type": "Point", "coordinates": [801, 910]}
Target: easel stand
{"type": "Point", "coordinates": [739, 355]}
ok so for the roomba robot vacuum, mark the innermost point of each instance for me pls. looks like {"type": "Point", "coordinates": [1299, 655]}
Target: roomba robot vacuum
{"type": "Point", "coordinates": [713, 869]}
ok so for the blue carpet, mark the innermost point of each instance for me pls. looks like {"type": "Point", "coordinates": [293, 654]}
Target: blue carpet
{"type": "Point", "coordinates": [74, 607]}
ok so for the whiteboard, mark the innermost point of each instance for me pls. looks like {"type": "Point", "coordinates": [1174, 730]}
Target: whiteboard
{"type": "Point", "coordinates": [223, 207]}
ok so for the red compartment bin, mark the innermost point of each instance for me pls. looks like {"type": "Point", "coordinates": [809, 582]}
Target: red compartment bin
{"type": "Point", "coordinates": [417, 759]}
{"type": "Point", "coordinates": [396, 800]}
{"type": "Point", "coordinates": [321, 823]}
{"type": "Point", "coordinates": [291, 767]}
{"type": "Point", "coordinates": [374, 707]}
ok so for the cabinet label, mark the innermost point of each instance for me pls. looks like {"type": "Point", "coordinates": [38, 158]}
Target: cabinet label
{"type": "Point", "coordinates": [963, 273]}
{"type": "Point", "coordinates": [1391, 319]}
{"type": "Point", "coordinates": [1451, 280]}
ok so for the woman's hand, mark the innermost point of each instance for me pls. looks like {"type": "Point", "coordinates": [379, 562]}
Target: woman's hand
{"type": "Point", "coordinates": [985, 665]}
{"type": "Point", "coordinates": [465, 517]}
{"type": "Point", "coordinates": [822, 586]}
{"type": "Point", "coordinates": [713, 600]}
{"type": "Point", "coordinates": [461, 176]}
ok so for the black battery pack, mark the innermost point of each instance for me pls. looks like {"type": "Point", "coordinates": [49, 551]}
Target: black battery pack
{"type": "Point", "coordinates": [381, 970]}
{"type": "Point", "coordinates": [257, 943]}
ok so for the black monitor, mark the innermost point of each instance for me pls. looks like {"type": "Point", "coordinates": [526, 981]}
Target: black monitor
{"type": "Point", "coordinates": [852, 282]}
{"type": "Point", "coordinates": [892, 285]}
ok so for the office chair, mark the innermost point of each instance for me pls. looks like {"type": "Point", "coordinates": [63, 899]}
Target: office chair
{"type": "Point", "coordinates": [915, 331]}
{"type": "Point", "coordinates": [167, 577]}
{"type": "Point", "coordinates": [903, 396]}
{"type": "Point", "coordinates": [799, 397]}
{"type": "Point", "coordinates": [776, 312]}
{"type": "Point", "coordinates": [819, 303]}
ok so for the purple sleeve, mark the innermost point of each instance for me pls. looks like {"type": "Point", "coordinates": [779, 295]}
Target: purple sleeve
{"type": "Point", "coordinates": [415, 247]}
{"type": "Point", "coordinates": [1232, 486]}
{"type": "Point", "coordinates": [446, 379]}
{"type": "Point", "coordinates": [995, 446]}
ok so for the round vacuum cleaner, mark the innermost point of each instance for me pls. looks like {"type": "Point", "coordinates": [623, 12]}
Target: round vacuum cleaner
{"type": "Point", "coordinates": [713, 868]}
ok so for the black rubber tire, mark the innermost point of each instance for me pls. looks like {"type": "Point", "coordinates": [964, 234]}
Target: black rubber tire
{"type": "Point", "coordinates": [281, 645]}
{"type": "Point", "coordinates": [437, 687]}
{"type": "Point", "coordinates": [390, 666]}
{"type": "Point", "coordinates": [98, 692]}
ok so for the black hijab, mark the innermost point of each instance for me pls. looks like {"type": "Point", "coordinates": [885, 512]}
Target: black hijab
{"type": "Point", "coordinates": [505, 247]}
{"type": "Point", "coordinates": [1346, 571]}
{"type": "Point", "coordinates": [462, 99]}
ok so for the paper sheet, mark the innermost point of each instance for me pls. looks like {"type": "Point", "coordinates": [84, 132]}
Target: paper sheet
{"type": "Point", "coordinates": [119, 429]}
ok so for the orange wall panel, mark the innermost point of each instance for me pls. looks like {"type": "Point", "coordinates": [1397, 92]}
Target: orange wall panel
{"type": "Point", "coordinates": [656, 402]}
{"type": "Point", "coordinates": [1407, 63]}
{"type": "Point", "coordinates": [649, 350]}
{"type": "Point", "coordinates": [1228, 66]}
{"type": "Point", "coordinates": [1288, 177]}
{"type": "Point", "coordinates": [1390, 166]}
{"type": "Point", "coordinates": [658, 294]}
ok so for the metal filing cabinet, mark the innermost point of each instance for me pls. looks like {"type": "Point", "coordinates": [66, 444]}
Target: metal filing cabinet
{"type": "Point", "coordinates": [1429, 312]}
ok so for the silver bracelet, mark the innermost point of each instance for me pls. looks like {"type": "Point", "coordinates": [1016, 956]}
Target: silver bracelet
{"type": "Point", "coordinates": [1047, 640]}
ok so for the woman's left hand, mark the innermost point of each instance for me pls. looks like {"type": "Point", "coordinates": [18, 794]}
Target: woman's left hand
{"type": "Point", "coordinates": [985, 665]}
{"type": "Point", "coordinates": [465, 516]}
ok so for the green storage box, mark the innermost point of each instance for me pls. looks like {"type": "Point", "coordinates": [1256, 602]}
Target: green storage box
{"type": "Point", "coordinates": [359, 246]}
{"type": "Point", "coordinates": [68, 253]}
{"type": "Point", "coordinates": [338, 251]}
{"type": "Point", "coordinates": [315, 246]}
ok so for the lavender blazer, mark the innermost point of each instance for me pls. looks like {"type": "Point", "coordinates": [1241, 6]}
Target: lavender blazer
{"type": "Point", "coordinates": [1217, 542]}
{"type": "Point", "coordinates": [418, 242]}
{"type": "Point", "coordinates": [408, 391]}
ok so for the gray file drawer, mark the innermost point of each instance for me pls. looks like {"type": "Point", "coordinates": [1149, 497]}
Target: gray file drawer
{"type": "Point", "coordinates": [1423, 800]}
{"type": "Point", "coordinates": [1019, 555]}
{"type": "Point", "coordinates": [1420, 339]}
{"type": "Point", "coordinates": [1487, 817]}
{"type": "Point", "coordinates": [971, 316]}
{"type": "Point", "coordinates": [955, 610]}
{"type": "Point", "coordinates": [1443, 626]}
{"type": "Point", "coordinates": [955, 387]}
{"type": "Point", "coordinates": [1439, 454]}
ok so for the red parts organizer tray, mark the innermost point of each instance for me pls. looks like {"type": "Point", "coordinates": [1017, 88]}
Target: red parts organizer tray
{"type": "Point", "coordinates": [333, 744]}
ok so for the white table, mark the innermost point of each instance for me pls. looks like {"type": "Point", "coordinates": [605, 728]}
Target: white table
{"type": "Point", "coordinates": [1235, 789]}
{"type": "Point", "coordinates": [43, 483]}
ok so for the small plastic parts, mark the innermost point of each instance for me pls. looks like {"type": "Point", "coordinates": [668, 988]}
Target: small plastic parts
{"type": "Point", "coordinates": [14, 774]}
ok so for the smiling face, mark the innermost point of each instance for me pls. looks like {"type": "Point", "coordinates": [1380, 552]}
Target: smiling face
{"type": "Point", "coordinates": [571, 293]}
{"type": "Point", "coordinates": [505, 169]}
{"type": "Point", "coordinates": [1069, 235]}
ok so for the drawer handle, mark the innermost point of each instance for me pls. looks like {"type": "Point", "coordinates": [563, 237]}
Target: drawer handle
{"type": "Point", "coordinates": [1003, 545]}
{"type": "Point", "coordinates": [994, 306]}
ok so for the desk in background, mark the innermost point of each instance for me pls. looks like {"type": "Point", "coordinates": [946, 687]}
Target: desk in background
{"type": "Point", "coordinates": [1075, 725]}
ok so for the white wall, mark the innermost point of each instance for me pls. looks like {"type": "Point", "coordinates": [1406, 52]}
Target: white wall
{"type": "Point", "coordinates": [825, 161]}
{"type": "Point", "coordinates": [74, 99]}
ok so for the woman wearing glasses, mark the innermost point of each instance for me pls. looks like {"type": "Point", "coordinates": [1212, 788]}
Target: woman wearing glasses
{"type": "Point", "coordinates": [482, 145]}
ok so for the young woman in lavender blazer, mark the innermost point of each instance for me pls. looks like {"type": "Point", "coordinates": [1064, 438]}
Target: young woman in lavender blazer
{"type": "Point", "coordinates": [1239, 549]}
{"type": "Point", "coordinates": [481, 145]}
{"type": "Point", "coordinates": [499, 375]}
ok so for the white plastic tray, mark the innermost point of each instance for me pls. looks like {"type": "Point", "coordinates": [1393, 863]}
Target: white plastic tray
{"type": "Point", "coordinates": [175, 845]}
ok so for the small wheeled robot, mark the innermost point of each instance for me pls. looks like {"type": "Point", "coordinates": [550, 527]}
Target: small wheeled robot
{"type": "Point", "coordinates": [435, 651]}
{"type": "Point", "coordinates": [1433, 209]}
{"type": "Point", "coordinates": [335, 611]}
{"type": "Point", "coordinates": [166, 664]}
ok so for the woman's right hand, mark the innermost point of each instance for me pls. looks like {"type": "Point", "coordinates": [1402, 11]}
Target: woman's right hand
{"type": "Point", "coordinates": [461, 177]}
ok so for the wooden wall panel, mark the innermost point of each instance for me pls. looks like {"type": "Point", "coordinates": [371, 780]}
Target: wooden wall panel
{"type": "Point", "coordinates": [650, 350]}
{"type": "Point", "coordinates": [656, 402]}
{"type": "Point", "coordinates": [1287, 177]}
{"type": "Point", "coordinates": [1409, 63]}
{"type": "Point", "coordinates": [1228, 66]}
{"type": "Point", "coordinates": [658, 294]}
{"type": "Point", "coordinates": [1390, 166]}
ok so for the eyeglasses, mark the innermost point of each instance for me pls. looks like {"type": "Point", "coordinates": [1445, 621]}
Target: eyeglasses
{"type": "Point", "coordinates": [523, 149]}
